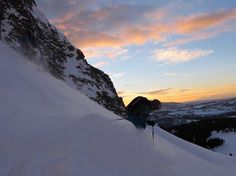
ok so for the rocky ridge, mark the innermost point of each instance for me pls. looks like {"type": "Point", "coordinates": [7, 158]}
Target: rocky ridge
{"type": "Point", "coordinates": [27, 30]}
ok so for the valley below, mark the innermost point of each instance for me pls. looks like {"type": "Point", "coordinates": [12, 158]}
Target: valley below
{"type": "Point", "coordinates": [210, 124]}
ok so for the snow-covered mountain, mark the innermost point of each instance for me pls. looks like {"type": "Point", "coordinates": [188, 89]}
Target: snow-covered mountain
{"type": "Point", "coordinates": [27, 30]}
{"type": "Point", "coordinates": [179, 113]}
{"type": "Point", "coordinates": [48, 128]}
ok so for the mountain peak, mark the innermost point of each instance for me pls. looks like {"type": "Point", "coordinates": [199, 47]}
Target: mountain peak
{"type": "Point", "coordinates": [26, 29]}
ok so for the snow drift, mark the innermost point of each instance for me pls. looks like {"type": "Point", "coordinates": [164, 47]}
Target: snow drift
{"type": "Point", "coordinates": [48, 129]}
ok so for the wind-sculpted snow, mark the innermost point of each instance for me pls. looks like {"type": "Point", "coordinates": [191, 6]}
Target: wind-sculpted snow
{"type": "Point", "coordinates": [27, 30]}
{"type": "Point", "coordinates": [50, 129]}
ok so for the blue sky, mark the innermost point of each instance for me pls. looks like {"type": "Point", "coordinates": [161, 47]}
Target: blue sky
{"type": "Point", "coordinates": [170, 50]}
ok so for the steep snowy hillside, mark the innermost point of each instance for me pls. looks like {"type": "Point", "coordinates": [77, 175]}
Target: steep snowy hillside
{"type": "Point", "coordinates": [48, 128]}
{"type": "Point", "coordinates": [26, 29]}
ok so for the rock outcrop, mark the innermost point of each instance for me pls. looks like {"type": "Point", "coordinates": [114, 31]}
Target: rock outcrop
{"type": "Point", "coordinates": [27, 30]}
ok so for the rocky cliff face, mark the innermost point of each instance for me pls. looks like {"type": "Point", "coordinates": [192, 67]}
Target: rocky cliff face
{"type": "Point", "coordinates": [27, 30]}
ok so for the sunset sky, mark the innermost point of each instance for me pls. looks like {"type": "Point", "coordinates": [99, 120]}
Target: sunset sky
{"type": "Point", "coordinates": [170, 50]}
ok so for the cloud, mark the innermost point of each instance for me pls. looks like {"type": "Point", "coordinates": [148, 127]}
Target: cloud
{"type": "Point", "coordinates": [183, 94]}
{"type": "Point", "coordinates": [104, 26]}
{"type": "Point", "coordinates": [107, 52]}
{"type": "Point", "coordinates": [121, 92]}
{"type": "Point", "coordinates": [203, 21]}
{"type": "Point", "coordinates": [126, 24]}
{"type": "Point", "coordinates": [97, 25]}
{"type": "Point", "coordinates": [203, 26]}
{"type": "Point", "coordinates": [184, 90]}
{"type": "Point", "coordinates": [117, 75]}
{"type": "Point", "coordinates": [100, 64]}
{"type": "Point", "coordinates": [157, 92]}
{"type": "Point", "coordinates": [170, 74]}
{"type": "Point", "coordinates": [173, 74]}
{"type": "Point", "coordinates": [59, 7]}
{"type": "Point", "coordinates": [177, 55]}
{"type": "Point", "coordinates": [201, 35]}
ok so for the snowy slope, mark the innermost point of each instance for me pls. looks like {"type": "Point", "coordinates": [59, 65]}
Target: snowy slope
{"type": "Point", "coordinates": [50, 129]}
{"type": "Point", "coordinates": [229, 145]}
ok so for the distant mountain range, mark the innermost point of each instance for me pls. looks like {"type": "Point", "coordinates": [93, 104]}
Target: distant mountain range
{"type": "Point", "coordinates": [180, 113]}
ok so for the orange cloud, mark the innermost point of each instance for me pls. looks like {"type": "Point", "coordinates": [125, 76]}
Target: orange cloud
{"type": "Point", "coordinates": [111, 27]}
{"type": "Point", "coordinates": [123, 25]}
{"type": "Point", "coordinates": [202, 21]}
{"type": "Point", "coordinates": [201, 35]}
{"type": "Point", "coordinates": [95, 39]}
{"type": "Point", "coordinates": [127, 36]}
{"type": "Point", "coordinates": [175, 55]}
{"type": "Point", "coordinates": [157, 92]}
{"type": "Point", "coordinates": [183, 95]}
{"type": "Point", "coordinates": [108, 52]}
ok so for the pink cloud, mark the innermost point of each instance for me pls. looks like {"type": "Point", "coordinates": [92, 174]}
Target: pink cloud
{"type": "Point", "coordinates": [203, 21]}
{"type": "Point", "coordinates": [121, 25]}
{"type": "Point", "coordinates": [108, 52]}
{"type": "Point", "coordinates": [100, 64]}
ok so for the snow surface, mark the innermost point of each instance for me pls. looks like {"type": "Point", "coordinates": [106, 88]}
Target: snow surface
{"type": "Point", "coordinates": [229, 145]}
{"type": "Point", "coordinates": [196, 110]}
{"type": "Point", "coordinates": [50, 129]}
